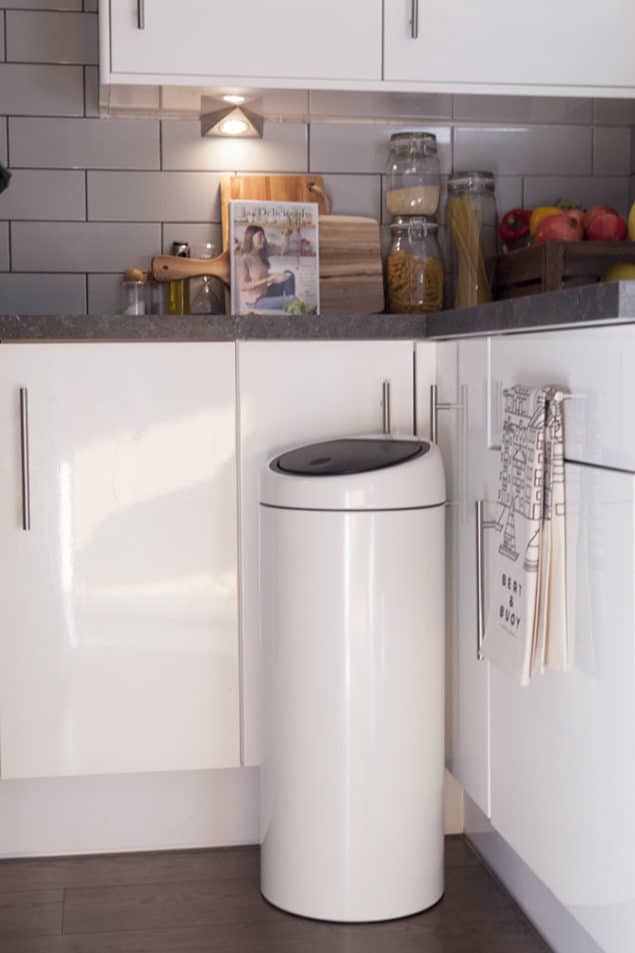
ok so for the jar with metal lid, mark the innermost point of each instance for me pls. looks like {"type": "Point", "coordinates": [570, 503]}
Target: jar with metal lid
{"type": "Point", "coordinates": [414, 267]}
{"type": "Point", "coordinates": [472, 220]}
{"type": "Point", "coordinates": [415, 174]}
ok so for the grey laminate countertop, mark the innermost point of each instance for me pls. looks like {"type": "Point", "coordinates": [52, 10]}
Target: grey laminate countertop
{"type": "Point", "coordinates": [613, 302]}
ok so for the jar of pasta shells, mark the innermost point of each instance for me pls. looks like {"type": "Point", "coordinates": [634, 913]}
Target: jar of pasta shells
{"type": "Point", "coordinates": [414, 267]}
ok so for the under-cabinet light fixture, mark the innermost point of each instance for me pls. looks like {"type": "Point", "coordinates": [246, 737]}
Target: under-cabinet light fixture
{"type": "Point", "coordinates": [232, 121]}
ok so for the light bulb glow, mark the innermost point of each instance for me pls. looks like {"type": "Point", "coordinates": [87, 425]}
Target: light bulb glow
{"type": "Point", "coordinates": [233, 127]}
{"type": "Point", "coordinates": [234, 100]}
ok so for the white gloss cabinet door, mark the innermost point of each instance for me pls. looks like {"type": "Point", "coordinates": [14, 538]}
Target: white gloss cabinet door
{"type": "Point", "coordinates": [292, 393]}
{"type": "Point", "coordinates": [475, 479]}
{"type": "Point", "coordinates": [119, 643]}
{"type": "Point", "coordinates": [291, 40]}
{"type": "Point", "coordinates": [460, 42]}
{"type": "Point", "coordinates": [596, 366]}
{"type": "Point", "coordinates": [563, 749]}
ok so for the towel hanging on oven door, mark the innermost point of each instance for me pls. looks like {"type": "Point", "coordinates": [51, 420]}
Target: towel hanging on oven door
{"type": "Point", "coordinates": [526, 627]}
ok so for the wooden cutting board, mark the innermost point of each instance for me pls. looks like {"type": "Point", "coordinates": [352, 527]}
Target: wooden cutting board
{"type": "Point", "coordinates": [351, 272]}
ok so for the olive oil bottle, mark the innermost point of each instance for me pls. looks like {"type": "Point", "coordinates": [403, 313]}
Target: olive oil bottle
{"type": "Point", "coordinates": [179, 291]}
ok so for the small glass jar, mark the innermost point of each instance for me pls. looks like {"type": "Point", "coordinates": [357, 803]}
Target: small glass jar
{"type": "Point", "coordinates": [133, 297]}
{"type": "Point", "coordinates": [415, 174]}
{"type": "Point", "coordinates": [414, 267]}
{"type": "Point", "coordinates": [472, 221]}
{"type": "Point", "coordinates": [208, 293]}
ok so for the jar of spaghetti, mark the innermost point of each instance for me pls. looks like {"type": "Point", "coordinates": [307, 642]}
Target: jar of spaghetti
{"type": "Point", "coordinates": [414, 267]}
{"type": "Point", "coordinates": [414, 174]}
{"type": "Point", "coordinates": [472, 221]}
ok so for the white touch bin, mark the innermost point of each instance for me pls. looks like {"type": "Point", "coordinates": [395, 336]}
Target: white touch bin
{"type": "Point", "coordinates": [352, 589]}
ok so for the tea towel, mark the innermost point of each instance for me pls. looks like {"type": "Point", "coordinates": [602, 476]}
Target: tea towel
{"type": "Point", "coordinates": [526, 625]}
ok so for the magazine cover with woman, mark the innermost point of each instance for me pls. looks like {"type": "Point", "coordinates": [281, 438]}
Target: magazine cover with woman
{"type": "Point", "coordinates": [274, 257]}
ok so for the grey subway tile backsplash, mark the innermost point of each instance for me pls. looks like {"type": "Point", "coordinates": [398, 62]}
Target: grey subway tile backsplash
{"type": "Point", "coordinates": [328, 104]}
{"type": "Point", "coordinates": [104, 294]}
{"type": "Point", "coordinates": [41, 4]}
{"type": "Point", "coordinates": [44, 194]}
{"type": "Point", "coordinates": [196, 234]}
{"type": "Point", "coordinates": [3, 140]}
{"type": "Point", "coordinates": [91, 6]}
{"type": "Point", "coordinates": [83, 246]}
{"type": "Point", "coordinates": [154, 196]}
{"type": "Point", "coordinates": [52, 37]}
{"type": "Point", "coordinates": [355, 194]}
{"type": "Point", "coordinates": [283, 148]}
{"type": "Point", "coordinates": [42, 294]}
{"type": "Point", "coordinates": [363, 147]}
{"type": "Point", "coordinates": [27, 90]}
{"type": "Point", "coordinates": [587, 190]}
{"type": "Point", "coordinates": [611, 150]}
{"type": "Point", "coordinates": [523, 109]}
{"type": "Point", "coordinates": [524, 150]}
{"type": "Point", "coordinates": [4, 247]}
{"type": "Point", "coordinates": [85, 143]}
{"type": "Point", "coordinates": [91, 91]}
{"type": "Point", "coordinates": [614, 112]}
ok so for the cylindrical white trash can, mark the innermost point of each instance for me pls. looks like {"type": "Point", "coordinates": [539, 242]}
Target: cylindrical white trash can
{"type": "Point", "coordinates": [352, 590]}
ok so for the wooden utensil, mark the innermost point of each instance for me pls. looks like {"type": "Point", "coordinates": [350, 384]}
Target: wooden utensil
{"type": "Point", "coordinates": [174, 268]}
{"type": "Point", "coordinates": [351, 274]}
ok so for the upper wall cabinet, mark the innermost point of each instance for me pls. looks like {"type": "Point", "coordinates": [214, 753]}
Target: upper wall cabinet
{"type": "Point", "coordinates": [458, 43]}
{"type": "Point", "coordinates": [293, 42]}
{"type": "Point", "coordinates": [407, 45]}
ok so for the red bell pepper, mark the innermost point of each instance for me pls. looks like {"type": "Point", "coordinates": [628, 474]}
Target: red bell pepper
{"type": "Point", "coordinates": [514, 226]}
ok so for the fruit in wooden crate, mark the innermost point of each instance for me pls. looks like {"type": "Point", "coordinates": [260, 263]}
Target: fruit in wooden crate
{"type": "Point", "coordinates": [603, 224]}
{"type": "Point", "coordinates": [622, 271]}
{"type": "Point", "coordinates": [561, 227]}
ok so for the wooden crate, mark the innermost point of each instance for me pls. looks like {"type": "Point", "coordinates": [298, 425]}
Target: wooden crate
{"type": "Point", "coordinates": [556, 265]}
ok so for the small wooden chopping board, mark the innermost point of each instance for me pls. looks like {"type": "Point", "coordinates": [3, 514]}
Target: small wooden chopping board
{"type": "Point", "coordinates": [351, 271]}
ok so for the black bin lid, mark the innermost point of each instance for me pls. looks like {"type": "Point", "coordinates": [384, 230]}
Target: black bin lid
{"type": "Point", "coordinates": [346, 456]}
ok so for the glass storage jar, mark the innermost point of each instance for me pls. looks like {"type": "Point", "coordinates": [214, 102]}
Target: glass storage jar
{"type": "Point", "coordinates": [415, 174]}
{"type": "Point", "coordinates": [472, 221]}
{"type": "Point", "coordinates": [414, 267]}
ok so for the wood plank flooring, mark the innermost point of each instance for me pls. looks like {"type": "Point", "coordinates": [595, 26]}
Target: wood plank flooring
{"type": "Point", "coordinates": [208, 901]}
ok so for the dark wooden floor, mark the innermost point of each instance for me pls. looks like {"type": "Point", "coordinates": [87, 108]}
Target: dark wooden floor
{"type": "Point", "coordinates": [208, 902]}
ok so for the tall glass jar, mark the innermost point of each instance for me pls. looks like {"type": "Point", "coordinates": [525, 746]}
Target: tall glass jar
{"type": "Point", "coordinates": [414, 174]}
{"type": "Point", "coordinates": [472, 221]}
{"type": "Point", "coordinates": [414, 267]}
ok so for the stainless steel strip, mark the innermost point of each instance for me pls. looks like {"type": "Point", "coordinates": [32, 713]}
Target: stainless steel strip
{"type": "Point", "coordinates": [24, 449]}
{"type": "Point", "coordinates": [385, 402]}
{"type": "Point", "coordinates": [481, 526]}
{"type": "Point", "coordinates": [414, 19]}
{"type": "Point", "coordinates": [435, 407]}
{"type": "Point", "coordinates": [141, 14]}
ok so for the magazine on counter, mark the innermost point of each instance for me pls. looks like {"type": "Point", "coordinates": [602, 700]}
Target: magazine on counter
{"type": "Point", "coordinates": [274, 257]}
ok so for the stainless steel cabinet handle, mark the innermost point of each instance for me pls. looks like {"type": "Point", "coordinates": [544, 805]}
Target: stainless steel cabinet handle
{"type": "Point", "coordinates": [435, 407]}
{"type": "Point", "coordinates": [385, 403]}
{"type": "Point", "coordinates": [414, 19]}
{"type": "Point", "coordinates": [481, 526]}
{"type": "Point", "coordinates": [141, 14]}
{"type": "Point", "coordinates": [24, 448]}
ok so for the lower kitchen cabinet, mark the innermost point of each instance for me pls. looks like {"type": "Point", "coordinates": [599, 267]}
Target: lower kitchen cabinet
{"type": "Point", "coordinates": [475, 478]}
{"type": "Point", "coordinates": [119, 645]}
{"type": "Point", "coordinates": [596, 366]}
{"type": "Point", "coordinates": [293, 393]}
{"type": "Point", "coordinates": [563, 749]}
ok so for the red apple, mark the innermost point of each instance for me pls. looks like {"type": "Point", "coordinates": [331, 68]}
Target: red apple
{"type": "Point", "coordinates": [559, 228]}
{"type": "Point", "coordinates": [602, 224]}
